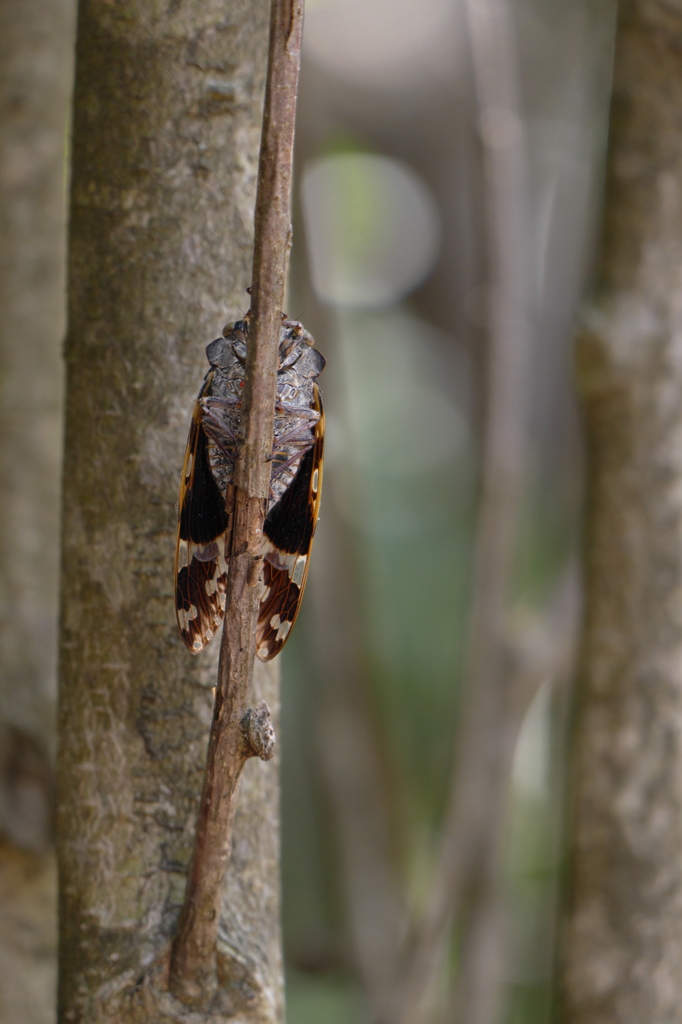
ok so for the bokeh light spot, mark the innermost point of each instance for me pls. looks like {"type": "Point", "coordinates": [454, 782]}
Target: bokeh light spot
{"type": "Point", "coordinates": [372, 229]}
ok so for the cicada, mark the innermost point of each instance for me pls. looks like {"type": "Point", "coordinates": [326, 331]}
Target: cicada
{"type": "Point", "coordinates": [202, 554]}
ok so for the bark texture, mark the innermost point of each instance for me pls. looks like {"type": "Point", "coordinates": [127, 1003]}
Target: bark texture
{"type": "Point", "coordinates": [623, 942]}
{"type": "Point", "coordinates": [167, 112]}
{"type": "Point", "coordinates": [36, 39]}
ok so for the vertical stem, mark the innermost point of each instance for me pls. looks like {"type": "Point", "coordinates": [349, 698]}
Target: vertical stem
{"type": "Point", "coordinates": [193, 968]}
{"type": "Point", "coordinates": [480, 769]}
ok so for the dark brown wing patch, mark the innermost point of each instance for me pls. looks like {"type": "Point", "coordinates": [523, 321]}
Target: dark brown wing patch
{"type": "Point", "coordinates": [288, 536]}
{"type": "Point", "coordinates": [200, 562]}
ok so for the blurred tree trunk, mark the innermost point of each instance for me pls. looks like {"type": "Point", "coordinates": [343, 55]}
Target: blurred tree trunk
{"type": "Point", "coordinates": [36, 41]}
{"type": "Point", "coordinates": [167, 112]}
{"type": "Point", "coordinates": [623, 940]}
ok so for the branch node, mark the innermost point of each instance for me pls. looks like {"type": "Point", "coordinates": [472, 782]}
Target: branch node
{"type": "Point", "coordinates": [258, 733]}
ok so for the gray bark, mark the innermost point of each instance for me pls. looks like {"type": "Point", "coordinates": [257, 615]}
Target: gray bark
{"type": "Point", "coordinates": [623, 941]}
{"type": "Point", "coordinates": [35, 81]}
{"type": "Point", "coordinates": [167, 111]}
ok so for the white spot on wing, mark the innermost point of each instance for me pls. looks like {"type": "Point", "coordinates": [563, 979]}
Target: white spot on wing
{"type": "Point", "coordinates": [299, 570]}
{"type": "Point", "coordinates": [211, 586]}
{"type": "Point", "coordinates": [206, 552]}
{"type": "Point", "coordinates": [277, 558]}
{"type": "Point", "coordinates": [283, 630]}
{"type": "Point", "coordinates": [186, 617]}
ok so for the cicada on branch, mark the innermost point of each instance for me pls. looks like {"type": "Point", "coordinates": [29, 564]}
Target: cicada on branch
{"type": "Point", "coordinates": [202, 554]}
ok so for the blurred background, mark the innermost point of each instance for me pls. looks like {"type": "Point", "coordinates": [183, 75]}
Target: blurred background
{"type": "Point", "coordinates": [448, 170]}
{"type": "Point", "coordinates": [393, 273]}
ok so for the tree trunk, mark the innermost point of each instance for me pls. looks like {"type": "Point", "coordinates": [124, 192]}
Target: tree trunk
{"type": "Point", "coordinates": [36, 39]}
{"type": "Point", "coordinates": [167, 113]}
{"type": "Point", "coordinates": [623, 942]}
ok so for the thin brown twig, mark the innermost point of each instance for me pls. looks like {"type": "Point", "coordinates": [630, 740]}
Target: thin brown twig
{"type": "Point", "coordinates": [479, 781]}
{"type": "Point", "coordinates": [238, 732]}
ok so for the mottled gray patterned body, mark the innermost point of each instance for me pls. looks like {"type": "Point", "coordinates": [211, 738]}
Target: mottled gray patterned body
{"type": "Point", "coordinates": [202, 550]}
{"type": "Point", "coordinates": [295, 418]}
